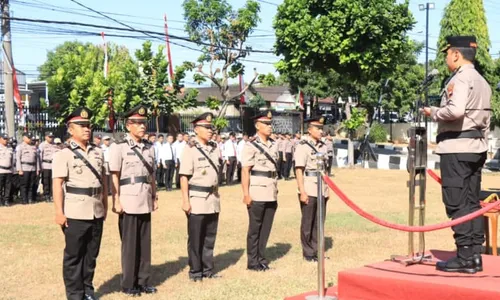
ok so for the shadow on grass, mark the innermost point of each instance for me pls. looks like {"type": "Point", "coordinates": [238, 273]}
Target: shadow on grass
{"type": "Point", "coordinates": [159, 274]}
{"type": "Point", "coordinates": [328, 243]}
{"type": "Point", "coordinates": [225, 260]}
{"type": "Point", "coordinates": [277, 251]}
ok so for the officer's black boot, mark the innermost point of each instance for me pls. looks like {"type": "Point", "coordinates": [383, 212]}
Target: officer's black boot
{"type": "Point", "coordinates": [462, 263]}
{"type": "Point", "coordinates": [476, 257]}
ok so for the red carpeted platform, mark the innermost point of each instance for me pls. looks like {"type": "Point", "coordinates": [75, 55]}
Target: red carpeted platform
{"type": "Point", "coordinates": [393, 281]}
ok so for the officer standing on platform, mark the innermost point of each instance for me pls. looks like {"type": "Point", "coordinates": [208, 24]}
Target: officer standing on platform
{"type": "Point", "coordinates": [6, 170]}
{"type": "Point", "coordinates": [28, 167]}
{"type": "Point", "coordinates": [201, 201]}
{"type": "Point", "coordinates": [82, 208]}
{"type": "Point", "coordinates": [463, 122]}
{"type": "Point", "coordinates": [307, 172]}
{"type": "Point", "coordinates": [132, 164]}
{"type": "Point", "coordinates": [260, 190]}
{"type": "Point", "coordinates": [47, 151]}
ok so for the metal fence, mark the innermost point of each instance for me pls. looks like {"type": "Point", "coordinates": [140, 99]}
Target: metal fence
{"type": "Point", "coordinates": [37, 121]}
{"type": "Point", "coordinates": [235, 123]}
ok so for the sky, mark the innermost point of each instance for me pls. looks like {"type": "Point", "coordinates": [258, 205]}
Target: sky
{"type": "Point", "coordinates": [31, 42]}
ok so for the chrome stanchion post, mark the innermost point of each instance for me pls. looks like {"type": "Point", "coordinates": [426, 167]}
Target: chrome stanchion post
{"type": "Point", "coordinates": [320, 159]}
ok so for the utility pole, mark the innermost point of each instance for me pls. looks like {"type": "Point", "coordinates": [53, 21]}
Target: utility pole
{"type": "Point", "coordinates": [7, 70]}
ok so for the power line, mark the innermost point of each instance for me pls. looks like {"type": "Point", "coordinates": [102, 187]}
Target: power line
{"type": "Point", "coordinates": [147, 32]}
{"type": "Point", "coordinates": [267, 2]}
{"type": "Point", "coordinates": [75, 11]}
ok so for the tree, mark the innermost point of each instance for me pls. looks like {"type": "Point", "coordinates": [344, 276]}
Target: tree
{"type": "Point", "coordinates": [465, 17]}
{"type": "Point", "coordinates": [223, 32]}
{"type": "Point", "coordinates": [270, 80]}
{"type": "Point", "coordinates": [401, 92]}
{"type": "Point", "coordinates": [155, 91]}
{"type": "Point", "coordinates": [74, 74]}
{"type": "Point", "coordinates": [360, 40]}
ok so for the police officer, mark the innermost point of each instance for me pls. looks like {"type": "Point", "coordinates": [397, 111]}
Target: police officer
{"type": "Point", "coordinates": [463, 120]}
{"type": "Point", "coordinates": [201, 201]}
{"type": "Point", "coordinates": [14, 188]}
{"type": "Point", "coordinates": [132, 164]}
{"type": "Point", "coordinates": [6, 170]}
{"type": "Point", "coordinates": [28, 167]}
{"type": "Point", "coordinates": [306, 170]}
{"type": "Point", "coordinates": [329, 148]}
{"type": "Point", "coordinates": [47, 150]}
{"type": "Point", "coordinates": [81, 209]}
{"type": "Point", "coordinates": [288, 146]}
{"type": "Point", "coordinates": [260, 190]}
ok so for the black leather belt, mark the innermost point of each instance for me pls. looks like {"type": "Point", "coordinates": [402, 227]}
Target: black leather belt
{"type": "Point", "coordinates": [83, 191]}
{"type": "Point", "coordinates": [311, 173]}
{"type": "Point", "coordinates": [268, 174]}
{"type": "Point", "coordinates": [133, 180]}
{"type": "Point", "coordinates": [28, 163]}
{"type": "Point", "coordinates": [469, 134]}
{"type": "Point", "coordinates": [205, 189]}
{"type": "Point", "coordinates": [5, 168]}
{"type": "Point", "coordinates": [47, 161]}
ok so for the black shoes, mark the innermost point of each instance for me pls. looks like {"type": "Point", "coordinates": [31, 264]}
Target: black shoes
{"type": "Point", "coordinates": [147, 289]}
{"type": "Point", "coordinates": [464, 262]}
{"type": "Point", "coordinates": [258, 268]}
{"type": "Point", "coordinates": [311, 258]}
{"type": "Point", "coordinates": [265, 267]}
{"type": "Point", "coordinates": [90, 297]}
{"type": "Point", "coordinates": [134, 292]}
{"type": "Point", "coordinates": [212, 276]}
{"type": "Point", "coordinates": [478, 262]}
{"type": "Point", "coordinates": [196, 279]}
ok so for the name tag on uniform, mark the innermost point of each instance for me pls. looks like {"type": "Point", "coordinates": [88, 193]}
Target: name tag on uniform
{"type": "Point", "coordinates": [130, 154]}
{"type": "Point", "coordinates": [201, 158]}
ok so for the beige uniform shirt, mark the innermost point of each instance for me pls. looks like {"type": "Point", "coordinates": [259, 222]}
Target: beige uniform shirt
{"type": "Point", "coordinates": [201, 173]}
{"type": "Point", "coordinates": [6, 160]}
{"type": "Point", "coordinates": [288, 146]}
{"type": "Point", "coordinates": [76, 174]}
{"type": "Point", "coordinates": [135, 198]}
{"type": "Point", "coordinates": [262, 188]}
{"type": "Point", "coordinates": [462, 108]}
{"type": "Point", "coordinates": [27, 158]}
{"type": "Point", "coordinates": [305, 158]}
{"type": "Point", "coordinates": [47, 152]}
{"type": "Point", "coordinates": [279, 145]}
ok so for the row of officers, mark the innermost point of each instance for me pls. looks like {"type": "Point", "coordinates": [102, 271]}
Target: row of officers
{"type": "Point", "coordinates": [168, 154]}
{"type": "Point", "coordinates": [22, 166]}
{"type": "Point", "coordinates": [80, 179]}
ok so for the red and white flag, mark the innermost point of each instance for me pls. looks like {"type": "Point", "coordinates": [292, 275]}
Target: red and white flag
{"type": "Point", "coordinates": [243, 97]}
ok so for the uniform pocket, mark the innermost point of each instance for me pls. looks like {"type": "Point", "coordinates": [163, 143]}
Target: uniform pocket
{"type": "Point", "coordinates": [130, 189]}
{"type": "Point", "coordinates": [74, 197]}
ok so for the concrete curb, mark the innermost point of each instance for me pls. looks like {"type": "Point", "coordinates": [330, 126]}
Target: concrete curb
{"type": "Point", "coordinates": [384, 162]}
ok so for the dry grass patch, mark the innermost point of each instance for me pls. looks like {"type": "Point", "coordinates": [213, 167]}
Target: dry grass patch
{"type": "Point", "coordinates": [31, 246]}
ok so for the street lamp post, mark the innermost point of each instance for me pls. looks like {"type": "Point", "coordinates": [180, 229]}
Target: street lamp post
{"type": "Point", "coordinates": [427, 6]}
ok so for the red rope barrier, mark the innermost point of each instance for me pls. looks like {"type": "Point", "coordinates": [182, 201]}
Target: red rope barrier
{"type": "Point", "coordinates": [434, 175]}
{"type": "Point", "coordinates": [406, 228]}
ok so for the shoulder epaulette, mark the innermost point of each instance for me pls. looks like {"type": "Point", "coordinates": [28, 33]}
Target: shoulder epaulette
{"type": "Point", "coordinates": [272, 141]}
{"type": "Point", "coordinates": [212, 143]}
{"type": "Point", "coordinates": [302, 142]}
